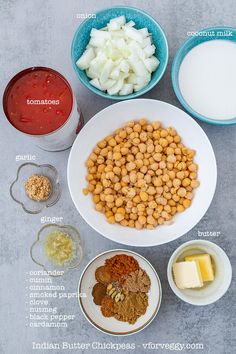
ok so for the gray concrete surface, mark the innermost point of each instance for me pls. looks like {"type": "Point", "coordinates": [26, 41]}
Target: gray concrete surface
{"type": "Point", "coordinates": [39, 33]}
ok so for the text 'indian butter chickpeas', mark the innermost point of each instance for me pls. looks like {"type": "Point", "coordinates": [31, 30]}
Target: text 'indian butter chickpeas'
{"type": "Point", "coordinates": [141, 175]}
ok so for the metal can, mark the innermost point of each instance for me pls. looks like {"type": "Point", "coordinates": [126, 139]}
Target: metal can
{"type": "Point", "coordinates": [39, 102]}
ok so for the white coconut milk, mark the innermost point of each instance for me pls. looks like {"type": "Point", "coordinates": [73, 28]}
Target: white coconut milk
{"type": "Point", "coordinates": [207, 79]}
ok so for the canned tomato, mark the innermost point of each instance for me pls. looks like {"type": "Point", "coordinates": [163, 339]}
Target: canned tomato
{"type": "Point", "coordinates": [39, 102]}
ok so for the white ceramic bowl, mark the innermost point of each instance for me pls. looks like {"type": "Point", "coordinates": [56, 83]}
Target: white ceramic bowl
{"type": "Point", "coordinates": [115, 116]}
{"type": "Point", "coordinates": [211, 291]}
{"type": "Point", "coordinates": [111, 325]}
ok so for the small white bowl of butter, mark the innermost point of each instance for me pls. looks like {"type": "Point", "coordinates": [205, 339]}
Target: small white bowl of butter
{"type": "Point", "coordinates": [189, 267]}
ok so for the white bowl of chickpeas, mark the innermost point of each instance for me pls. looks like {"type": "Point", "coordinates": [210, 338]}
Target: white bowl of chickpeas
{"type": "Point", "coordinates": [142, 172]}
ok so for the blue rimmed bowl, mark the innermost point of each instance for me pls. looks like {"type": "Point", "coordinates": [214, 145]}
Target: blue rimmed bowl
{"type": "Point", "coordinates": [141, 19]}
{"type": "Point", "coordinates": [204, 35]}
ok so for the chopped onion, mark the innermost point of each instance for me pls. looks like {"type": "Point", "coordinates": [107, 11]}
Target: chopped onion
{"type": "Point", "coordinates": [96, 83]}
{"type": "Point", "coordinates": [126, 89]}
{"type": "Point", "coordinates": [119, 58]}
{"type": "Point", "coordinates": [85, 59]}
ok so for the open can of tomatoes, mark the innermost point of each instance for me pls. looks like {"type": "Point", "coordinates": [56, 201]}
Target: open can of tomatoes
{"type": "Point", "coordinates": [39, 102]}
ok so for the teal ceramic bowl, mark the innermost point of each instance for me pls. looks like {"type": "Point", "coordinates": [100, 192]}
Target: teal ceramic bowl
{"type": "Point", "coordinates": [141, 19]}
{"type": "Point", "coordinates": [221, 32]}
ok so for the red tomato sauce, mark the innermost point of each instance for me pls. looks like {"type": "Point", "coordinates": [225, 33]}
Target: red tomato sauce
{"type": "Point", "coordinates": [38, 101]}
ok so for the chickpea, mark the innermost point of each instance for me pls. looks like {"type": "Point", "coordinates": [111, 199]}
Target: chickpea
{"type": "Point", "coordinates": [171, 158]}
{"type": "Point", "coordinates": [161, 220]}
{"type": "Point", "coordinates": [158, 148]}
{"type": "Point", "coordinates": [195, 183]}
{"type": "Point", "coordinates": [147, 178]}
{"type": "Point", "coordinates": [124, 222]}
{"type": "Point", "coordinates": [160, 208]}
{"type": "Point", "coordinates": [156, 135]}
{"type": "Point", "coordinates": [163, 142]}
{"type": "Point", "coordinates": [181, 192]}
{"type": "Point", "coordinates": [193, 167]}
{"type": "Point", "coordinates": [130, 166]}
{"type": "Point", "coordinates": [143, 136]}
{"type": "Point", "coordinates": [85, 191]}
{"type": "Point", "coordinates": [189, 195]}
{"type": "Point", "coordinates": [131, 193]}
{"type": "Point", "coordinates": [141, 207]}
{"type": "Point", "coordinates": [176, 182]}
{"type": "Point", "coordinates": [99, 206]}
{"type": "Point", "coordinates": [161, 201]}
{"type": "Point", "coordinates": [119, 217]}
{"type": "Point", "coordinates": [177, 139]}
{"type": "Point", "coordinates": [167, 207]}
{"type": "Point", "coordinates": [180, 208]}
{"type": "Point", "coordinates": [143, 196]}
{"type": "Point", "coordinates": [180, 175]}
{"type": "Point", "coordinates": [109, 198]}
{"type": "Point", "coordinates": [119, 201]}
{"type": "Point", "coordinates": [150, 148]}
{"type": "Point", "coordinates": [151, 220]}
{"type": "Point", "coordinates": [141, 175]}
{"type": "Point", "coordinates": [164, 133]}
{"type": "Point", "coordinates": [140, 183]}
{"type": "Point", "coordinates": [170, 139]}
{"type": "Point", "coordinates": [154, 166]}
{"type": "Point", "coordinates": [131, 223]}
{"type": "Point", "coordinates": [165, 177]}
{"type": "Point", "coordinates": [156, 125]}
{"type": "Point", "coordinates": [157, 156]}
{"type": "Point", "coordinates": [142, 147]}
{"type": "Point", "coordinates": [142, 220]}
{"type": "Point", "coordinates": [159, 190]}
{"type": "Point", "coordinates": [98, 189]}
{"type": "Point", "coordinates": [143, 169]}
{"type": "Point", "coordinates": [111, 219]}
{"type": "Point", "coordinates": [151, 172]}
{"type": "Point", "coordinates": [138, 225]}
{"type": "Point", "coordinates": [91, 187]}
{"type": "Point", "coordinates": [186, 182]}
{"type": "Point", "coordinates": [162, 165]}
{"type": "Point", "coordinates": [176, 197]}
{"type": "Point", "coordinates": [151, 190]}
{"type": "Point", "coordinates": [165, 215]}
{"type": "Point", "coordinates": [186, 203]}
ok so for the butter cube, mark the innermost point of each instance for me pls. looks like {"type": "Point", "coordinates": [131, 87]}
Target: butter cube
{"type": "Point", "coordinates": [187, 275]}
{"type": "Point", "coordinates": [205, 265]}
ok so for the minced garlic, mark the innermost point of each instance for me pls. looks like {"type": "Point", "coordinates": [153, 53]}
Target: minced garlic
{"type": "Point", "coordinates": [59, 247]}
{"type": "Point", "coordinates": [38, 187]}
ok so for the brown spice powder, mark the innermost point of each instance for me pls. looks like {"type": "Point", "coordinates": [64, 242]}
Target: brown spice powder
{"type": "Point", "coordinates": [137, 281]}
{"type": "Point", "coordinates": [133, 306]}
{"type": "Point", "coordinates": [103, 275]}
{"type": "Point", "coordinates": [107, 306]}
{"type": "Point", "coordinates": [98, 292]}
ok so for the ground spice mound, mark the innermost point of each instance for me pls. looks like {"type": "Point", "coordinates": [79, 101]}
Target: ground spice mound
{"type": "Point", "coordinates": [137, 281]}
{"type": "Point", "coordinates": [121, 265]}
{"type": "Point", "coordinates": [98, 292]}
{"type": "Point", "coordinates": [103, 275]}
{"type": "Point", "coordinates": [107, 306]}
{"type": "Point", "coordinates": [133, 306]}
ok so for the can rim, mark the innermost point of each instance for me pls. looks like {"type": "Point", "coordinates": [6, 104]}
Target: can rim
{"type": "Point", "coordinates": [15, 78]}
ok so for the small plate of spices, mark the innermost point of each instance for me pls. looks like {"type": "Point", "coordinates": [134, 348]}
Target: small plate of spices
{"type": "Point", "coordinates": [119, 292]}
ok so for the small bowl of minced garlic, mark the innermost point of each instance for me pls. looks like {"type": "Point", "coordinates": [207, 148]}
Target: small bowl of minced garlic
{"type": "Point", "coordinates": [36, 187]}
{"type": "Point", "coordinates": [199, 272]}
